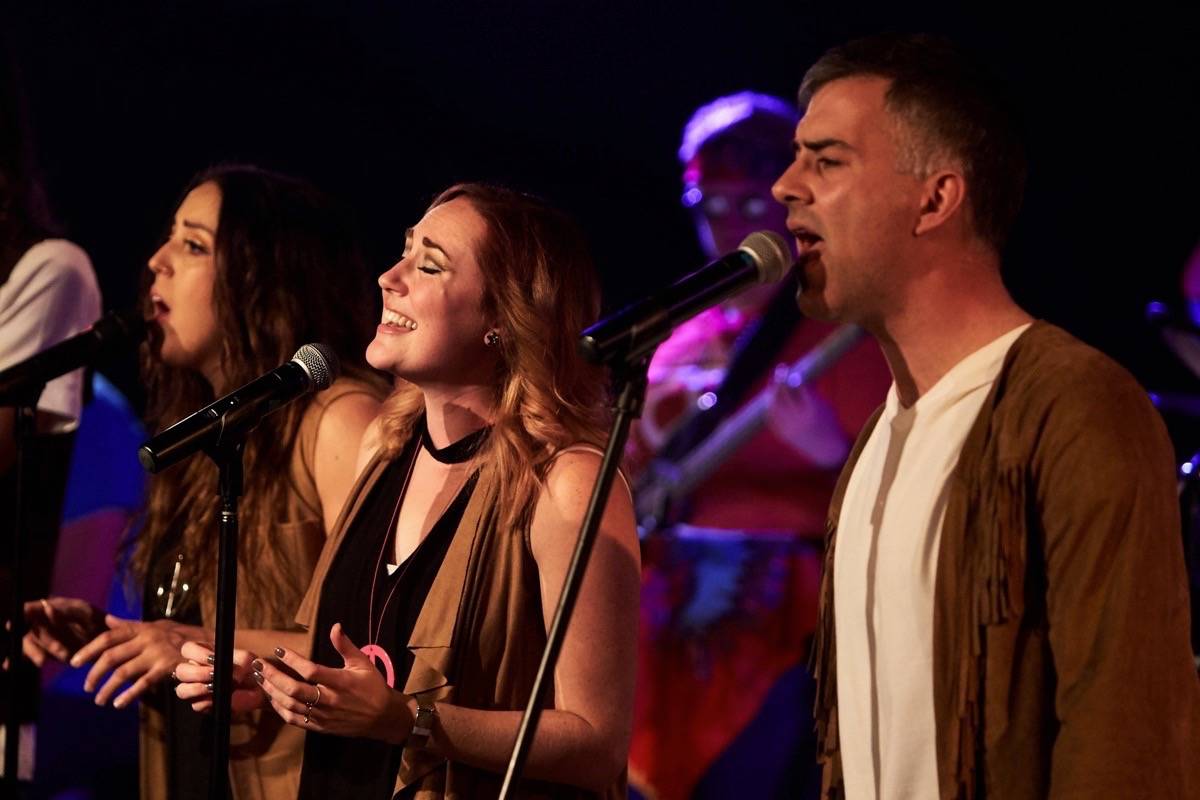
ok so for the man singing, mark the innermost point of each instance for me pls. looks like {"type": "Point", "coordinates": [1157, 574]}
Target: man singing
{"type": "Point", "coordinates": [1004, 609]}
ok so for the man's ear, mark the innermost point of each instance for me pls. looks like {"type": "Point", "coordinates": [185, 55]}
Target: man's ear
{"type": "Point", "coordinates": [943, 195]}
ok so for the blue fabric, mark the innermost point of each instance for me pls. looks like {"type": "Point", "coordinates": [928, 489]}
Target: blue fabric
{"type": "Point", "coordinates": [105, 472]}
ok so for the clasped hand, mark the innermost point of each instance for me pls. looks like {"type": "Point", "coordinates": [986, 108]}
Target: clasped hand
{"type": "Point", "coordinates": [353, 700]}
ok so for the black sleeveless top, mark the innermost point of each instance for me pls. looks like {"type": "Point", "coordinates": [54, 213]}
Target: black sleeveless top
{"type": "Point", "coordinates": [337, 766]}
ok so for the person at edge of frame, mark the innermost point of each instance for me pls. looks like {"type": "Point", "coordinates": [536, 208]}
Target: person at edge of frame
{"type": "Point", "coordinates": [1004, 610]}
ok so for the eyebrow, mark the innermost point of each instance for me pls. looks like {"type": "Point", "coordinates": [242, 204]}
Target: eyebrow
{"type": "Point", "coordinates": [431, 243]}
{"type": "Point", "coordinates": [408, 234]}
{"type": "Point", "coordinates": [198, 226]}
{"type": "Point", "coordinates": [818, 145]}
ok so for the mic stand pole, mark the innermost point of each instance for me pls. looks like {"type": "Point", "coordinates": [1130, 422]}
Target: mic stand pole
{"type": "Point", "coordinates": [228, 457]}
{"type": "Point", "coordinates": [23, 429]}
{"type": "Point", "coordinates": [630, 379]}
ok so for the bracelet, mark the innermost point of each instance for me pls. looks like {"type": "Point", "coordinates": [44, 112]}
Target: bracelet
{"type": "Point", "coordinates": [423, 722]}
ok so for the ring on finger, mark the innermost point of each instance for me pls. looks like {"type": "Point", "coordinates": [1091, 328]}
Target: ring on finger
{"type": "Point", "coordinates": [316, 699]}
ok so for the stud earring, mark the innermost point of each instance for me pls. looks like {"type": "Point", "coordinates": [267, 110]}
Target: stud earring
{"type": "Point", "coordinates": [492, 339]}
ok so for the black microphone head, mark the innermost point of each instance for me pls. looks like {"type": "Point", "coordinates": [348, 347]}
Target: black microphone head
{"type": "Point", "coordinates": [770, 253]}
{"type": "Point", "coordinates": [129, 324]}
{"type": "Point", "coordinates": [133, 324]}
{"type": "Point", "coordinates": [321, 364]}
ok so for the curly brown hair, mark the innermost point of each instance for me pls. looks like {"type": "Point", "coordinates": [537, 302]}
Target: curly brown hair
{"type": "Point", "coordinates": [288, 271]}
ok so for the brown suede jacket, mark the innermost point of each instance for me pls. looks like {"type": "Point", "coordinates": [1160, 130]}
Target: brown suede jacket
{"type": "Point", "coordinates": [1062, 664]}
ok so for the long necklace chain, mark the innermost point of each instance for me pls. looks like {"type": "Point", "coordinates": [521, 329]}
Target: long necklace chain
{"type": "Point", "coordinates": [464, 448]}
{"type": "Point", "coordinates": [372, 629]}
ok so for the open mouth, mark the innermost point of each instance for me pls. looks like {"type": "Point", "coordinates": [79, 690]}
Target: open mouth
{"type": "Point", "coordinates": [394, 319]}
{"type": "Point", "coordinates": [806, 241]}
{"type": "Point", "coordinates": [159, 307]}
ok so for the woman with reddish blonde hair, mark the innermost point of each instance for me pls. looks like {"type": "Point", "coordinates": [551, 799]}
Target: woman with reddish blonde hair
{"type": "Point", "coordinates": [429, 608]}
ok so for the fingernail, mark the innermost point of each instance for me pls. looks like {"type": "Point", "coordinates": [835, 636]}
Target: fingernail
{"type": "Point", "coordinates": [118, 703]}
{"type": "Point", "coordinates": [212, 673]}
{"type": "Point", "coordinates": [256, 665]}
{"type": "Point", "coordinates": [258, 676]}
{"type": "Point", "coordinates": [209, 686]}
{"type": "Point", "coordinates": [211, 658]}
{"type": "Point", "coordinates": [279, 652]}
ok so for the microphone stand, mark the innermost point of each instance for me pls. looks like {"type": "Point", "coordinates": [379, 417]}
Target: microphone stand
{"type": "Point", "coordinates": [228, 458]}
{"type": "Point", "coordinates": [24, 409]}
{"type": "Point", "coordinates": [630, 380]}
{"type": "Point", "coordinates": [228, 422]}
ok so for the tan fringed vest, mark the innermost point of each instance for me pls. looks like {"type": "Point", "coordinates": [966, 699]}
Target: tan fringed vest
{"type": "Point", "coordinates": [477, 641]}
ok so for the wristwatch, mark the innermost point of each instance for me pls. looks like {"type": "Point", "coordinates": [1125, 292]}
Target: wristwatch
{"type": "Point", "coordinates": [422, 723]}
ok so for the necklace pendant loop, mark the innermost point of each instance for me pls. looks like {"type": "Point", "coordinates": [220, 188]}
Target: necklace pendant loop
{"type": "Point", "coordinates": [374, 651]}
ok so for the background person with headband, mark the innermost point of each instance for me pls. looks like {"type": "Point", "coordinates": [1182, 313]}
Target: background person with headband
{"type": "Point", "coordinates": [729, 593]}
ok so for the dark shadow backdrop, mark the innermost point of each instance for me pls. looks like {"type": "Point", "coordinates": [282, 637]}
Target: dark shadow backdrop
{"type": "Point", "coordinates": [383, 104]}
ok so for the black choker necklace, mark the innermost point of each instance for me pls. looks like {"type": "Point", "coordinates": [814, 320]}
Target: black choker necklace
{"type": "Point", "coordinates": [455, 452]}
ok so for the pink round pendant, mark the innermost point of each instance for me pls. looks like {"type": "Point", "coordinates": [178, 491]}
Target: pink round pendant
{"type": "Point", "coordinates": [374, 651]}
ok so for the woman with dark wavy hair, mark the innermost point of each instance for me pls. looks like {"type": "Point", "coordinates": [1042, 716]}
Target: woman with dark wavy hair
{"type": "Point", "coordinates": [428, 612]}
{"type": "Point", "coordinates": [255, 265]}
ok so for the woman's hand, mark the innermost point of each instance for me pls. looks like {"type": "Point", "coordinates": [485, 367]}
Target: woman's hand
{"type": "Point", "coordinates": [58, 627]}
{"type": "Point", "coordinates": [352, 701]}
{"type": "Point", "coordinates": [139, 652]}
{"type": "Point", "coordinates": [196, 675]}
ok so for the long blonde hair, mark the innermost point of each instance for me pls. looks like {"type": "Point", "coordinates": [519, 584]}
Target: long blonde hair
{"type": "Point", "coordinates": [541, 285]}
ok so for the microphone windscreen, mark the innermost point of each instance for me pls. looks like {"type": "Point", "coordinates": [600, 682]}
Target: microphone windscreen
{"type": "Point", "coordinates": [321, 364]}
{"type": "Point", "coordinates": [130, 324]}
{"type": "Point", "coordinates": [771, 253]}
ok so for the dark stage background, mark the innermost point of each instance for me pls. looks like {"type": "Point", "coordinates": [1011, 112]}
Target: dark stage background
{"type": "Point", "coordinates": [383, 104]}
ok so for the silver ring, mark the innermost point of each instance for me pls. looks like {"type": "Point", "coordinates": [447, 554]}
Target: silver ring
{"type": "Point", "coordinates": [306, 719]}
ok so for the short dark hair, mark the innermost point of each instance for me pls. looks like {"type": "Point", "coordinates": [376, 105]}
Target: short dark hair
{"type": "Point", "coordinates": [951, 105]}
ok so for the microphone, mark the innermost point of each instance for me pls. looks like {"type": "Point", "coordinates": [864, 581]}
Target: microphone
{"type": "Point", "coordinates": [314, 367]}
{"type": "Point", "coordinates": [636, 330]}
{"type": "Point", "coordinates": [21, 383]}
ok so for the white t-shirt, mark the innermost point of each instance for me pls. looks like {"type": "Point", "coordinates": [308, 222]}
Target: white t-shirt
{"type": "Point", "coordinates": [885, 566]}
{"type": "Point", "coordinates": [51, 295]}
